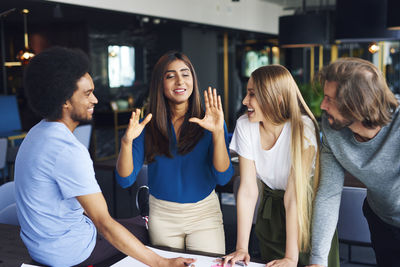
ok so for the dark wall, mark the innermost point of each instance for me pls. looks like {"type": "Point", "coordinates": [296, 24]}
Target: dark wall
{"type": "Point", "coordinates": [202, 48]}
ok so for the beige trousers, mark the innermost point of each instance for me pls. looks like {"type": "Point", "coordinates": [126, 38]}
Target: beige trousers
{"type": "Point", "coordinates": [190, 226]}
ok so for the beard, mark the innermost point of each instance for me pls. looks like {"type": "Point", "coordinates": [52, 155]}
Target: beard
{"type": "Point", "coordinates": [337, 124]}
{"type": "Point", "coordinates": [82, 120]}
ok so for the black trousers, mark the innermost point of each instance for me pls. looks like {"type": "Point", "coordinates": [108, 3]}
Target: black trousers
{"type": "Point", "coordinates": [104, 250]}
{"type": "Point", "coordinates": [385, 239]}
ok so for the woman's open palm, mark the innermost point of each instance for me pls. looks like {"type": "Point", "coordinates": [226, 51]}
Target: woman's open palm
{"type": "Point", "coordinates": [214, 118]}
{"type": "Point", "coordinates": [134, 127]}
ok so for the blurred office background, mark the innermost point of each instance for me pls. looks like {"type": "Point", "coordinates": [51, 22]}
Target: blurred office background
{"type": "Point", "coordinates": [225, 39]}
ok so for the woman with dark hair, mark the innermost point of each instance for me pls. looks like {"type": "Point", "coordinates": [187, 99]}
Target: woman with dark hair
{"type": "Point", "coordinates": [186, 156]}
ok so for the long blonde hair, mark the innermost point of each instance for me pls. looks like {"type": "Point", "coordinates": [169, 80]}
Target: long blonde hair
{"type": "Point", "coordinates": [281, 101]}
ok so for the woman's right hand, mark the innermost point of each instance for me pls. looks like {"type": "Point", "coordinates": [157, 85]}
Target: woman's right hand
{"type": "Point", "coordinates": [238, 255]}
{"type": "Point", "coordinates": [134, 127]}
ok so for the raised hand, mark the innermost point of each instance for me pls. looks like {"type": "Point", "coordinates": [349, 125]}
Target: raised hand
{"type": "Point", "coordinates": [214, 117]}
{"type": "Point", "coordinates": [134, 127]}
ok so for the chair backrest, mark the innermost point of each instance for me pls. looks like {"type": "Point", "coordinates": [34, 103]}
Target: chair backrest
{"type": "Point", "coordinates": [352, 225]}
{"type": "Point", "coordinates": [141, 178]}
{"type": "Point", "coordinates": [141, 183]}
{"type": "Point", "coordinates": [9, 215]}
{"type": "Point", "coordinates": [3, 152]}
{"type": "Point", "coordinates": [9, 115]}
{"type": "Point", "coordinates": [83, 134]}
{"type": "Point", "coordinates": [7, 194]}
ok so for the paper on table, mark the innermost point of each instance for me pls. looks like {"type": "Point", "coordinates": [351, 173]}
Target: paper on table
{"type": "Point", "coordinates": [201, 261]}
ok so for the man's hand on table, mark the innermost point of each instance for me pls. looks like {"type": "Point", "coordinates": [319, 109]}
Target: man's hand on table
{"type": "Point", "coordinates": [178, 262]}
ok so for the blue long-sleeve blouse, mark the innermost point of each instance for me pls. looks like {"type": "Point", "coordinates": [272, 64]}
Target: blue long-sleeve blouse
{"type": "Point", "coordinates": [183, 178]}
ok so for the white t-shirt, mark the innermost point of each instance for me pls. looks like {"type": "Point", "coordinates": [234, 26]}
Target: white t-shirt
{"type": "Point", "coordinates": [273, 165]}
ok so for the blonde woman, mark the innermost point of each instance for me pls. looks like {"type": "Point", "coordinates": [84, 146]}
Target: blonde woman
{"type": "Point", "coordinates": [277, 142]}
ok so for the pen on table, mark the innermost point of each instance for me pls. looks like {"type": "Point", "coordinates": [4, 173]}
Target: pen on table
{"type": "Point", "coordinates": [240, 263]}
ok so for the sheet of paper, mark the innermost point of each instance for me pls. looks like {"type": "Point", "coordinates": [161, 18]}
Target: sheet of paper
{"type": "Point", "coordinates": [201, 261]}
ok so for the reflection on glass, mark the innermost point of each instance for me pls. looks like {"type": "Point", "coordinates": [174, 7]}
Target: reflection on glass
{"type": "Point", "coordinates": [121, 65]}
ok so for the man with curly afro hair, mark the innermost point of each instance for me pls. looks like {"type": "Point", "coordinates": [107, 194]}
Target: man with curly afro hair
{"type": "Point", "coordinates": [63, 215]}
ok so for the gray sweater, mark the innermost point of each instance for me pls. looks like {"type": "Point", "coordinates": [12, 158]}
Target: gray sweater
{"type": "Point", "coordinates": [376, 163]}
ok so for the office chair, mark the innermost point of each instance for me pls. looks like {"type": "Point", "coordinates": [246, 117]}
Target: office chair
{"type": "Point", "coordinates": [8, 208]}
{"type": "Point", "coordinates": [10, 128]}
{"type": "Point", "coordinates": [10, 123]}
{"type": "Point", "coordinates": [8, 215]}
{"type": "Point", "coordinates": [352, 226]}
{"type": "Point", "coordinates": [7, 194]}
{"type": "Point", "coordinates": [142, 192]}
{"type": "Point", "coordinates": [142, 195]}
{"type": "Point", "coordinates": [3, 157]}
{"type": "Point", "coordinates": [83, 134]}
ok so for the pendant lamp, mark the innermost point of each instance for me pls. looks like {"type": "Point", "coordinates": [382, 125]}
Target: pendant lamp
{"type": "Point", "coordinates": [302, 30]}
{"type": "Point", "coordinates": [26, 54]}
{"type": "Point", "coordinates": [363, 21]}
{"type": "Point", "coordinates": [393, 18]}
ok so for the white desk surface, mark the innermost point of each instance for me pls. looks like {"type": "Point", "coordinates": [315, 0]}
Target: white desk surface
{"type": "Point", "coordinates": [201, 261]}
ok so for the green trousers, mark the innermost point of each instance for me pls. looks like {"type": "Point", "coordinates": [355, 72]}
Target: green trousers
{"type": "Point", "coordinates": [271, 230]}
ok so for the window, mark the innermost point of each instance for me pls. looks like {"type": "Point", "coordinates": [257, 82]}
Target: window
{"type": "Point", "coordinates": [254, 59]}
{"type": "Point", "coordinates": [121, 66]}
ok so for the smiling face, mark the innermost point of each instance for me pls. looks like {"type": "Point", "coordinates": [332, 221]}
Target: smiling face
{"type": "Point", "coordinates": [254, 111]}
{"type": "Point", "coordinates": [178, 82]}
{"type": "Point", "coordinates": [329, 105]}
{"type": "Point", "coordinates": [83, 100]}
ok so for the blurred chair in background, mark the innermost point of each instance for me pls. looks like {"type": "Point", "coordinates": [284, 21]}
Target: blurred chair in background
{"type": "Point", "coordinates": [8, 215]}
{"type": "Point", "coordinates": [142, 194]}
{"type": "Point", "coordinates": [3, 156]}
{"type": "Point", "coordinates": [8, 208]}
{"type": "Point", "coordinates": [83, 133]}
{"type": "Point", "coordinates": [10, 122]}
{"type": "Point", "coordinates": [352, 226]}
{"type": "Point", "coordinates": [10, 128]}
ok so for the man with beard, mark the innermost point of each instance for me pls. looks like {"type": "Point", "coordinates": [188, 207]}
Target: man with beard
{"type": "Point", "coordinates": [54, 176]}
{"type": "Point", "coordinates": [360, 135]}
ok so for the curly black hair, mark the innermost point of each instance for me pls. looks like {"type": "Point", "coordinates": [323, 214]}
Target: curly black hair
{"type": "Point", "coordinates": [50, 79]}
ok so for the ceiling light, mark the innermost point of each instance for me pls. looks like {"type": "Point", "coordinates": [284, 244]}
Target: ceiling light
{"type": "Point", "coordinates": [373, 48]}
{"type": "Point", "coordinates": [26, 54]}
